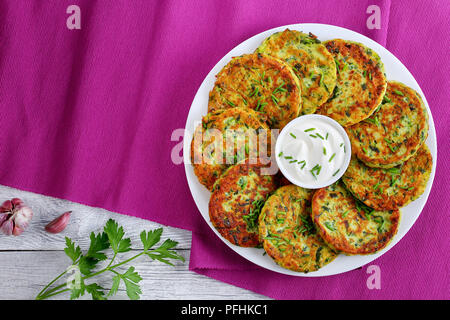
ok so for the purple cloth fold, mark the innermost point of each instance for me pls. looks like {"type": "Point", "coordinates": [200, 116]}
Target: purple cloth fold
{"type": "Point", "coordinates": [87, 115]}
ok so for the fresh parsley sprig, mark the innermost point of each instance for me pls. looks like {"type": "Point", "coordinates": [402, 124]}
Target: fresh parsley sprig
{"type": "Point", "coordinates": [112, 238]}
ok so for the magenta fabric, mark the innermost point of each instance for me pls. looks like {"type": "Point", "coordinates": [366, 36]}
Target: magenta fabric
{"type": "Point", "coordinates": [87, 115]}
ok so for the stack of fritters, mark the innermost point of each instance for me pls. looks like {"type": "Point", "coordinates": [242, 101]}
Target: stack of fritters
{"type": "Point", "coordinates": [292, 73]}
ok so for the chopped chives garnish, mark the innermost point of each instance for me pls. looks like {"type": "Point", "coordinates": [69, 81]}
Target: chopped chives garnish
{"type": "Point", "coordinates": [274, 99]}
{"type": "Point", "coordinates": [292, 135]}
{"type": "Point", "coordinates": [318, 134]}
{"type": "Point", "coordinates": [370, 75]}
{"type": "Point", "coordinates": [246, 149]}
{"type": "Point", "coordinates": [316, 168]}
{"type": "Point", "coordinates": [312, 136]}
{"type": "Point", "coordinates": [341, 144]}
{"type": "Point", "coordinates": [293, 161]}
{"type": "Point", "coordinates": [394, 170]}
{"type": "Point", "coordinates": [258, 105]}
{"type": "Point", "coordinates": [376, 185]}
{"type": "Point", "coordinates": [337, 64]}
{"type": "Point", "coordinates": [326, 137]}
{"type": "Point", "coordinates": [310, 129]}
{"type": "Point", "coordinates": [332, 156]}
{"type": "Point", "coordinates": [399, 93]}
{"type": "Point", "coordinates": [303, 165]}
{"type": "Point", "coordinates": [255, 92]}
{"type": "Point", "coordinates": [280, 154]}
{"type": "Point", "coordinates": [324, 151]}
{"type": "Point", "coordinates": [280, 88]}
{"type": "Point", "coordinates": [231, 103]}
{"type": "Point", "coordinates": [336, 172]}
{"type": "Point", "coordinates": [329, 226]}
{"type": "Point", "coordinates": [289, 157]}
{"type": "Point", "coordinates": [377, 121]}
{"type": "Point", "coordinates": [345, 214]}
{"type": "Point", "coordinates": [345, 67]}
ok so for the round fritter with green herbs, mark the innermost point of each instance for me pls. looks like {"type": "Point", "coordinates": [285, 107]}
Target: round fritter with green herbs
{"type": "Point", "coordinates": [259, 82]}
{"type": "Point", "coordinates": [349, 226]}
{"type": "Point", "coordinates": [288, 234]}
{"type": "Point", "coordinates": [236, 201]}
{"type": "Point", "coordinates": [311, 62]}
{"type": "Point", "coordinates": [361, 82]}
{"type": "Point", "coordinates": [388, 189]}
{"type": "Point", "coordinates": [394, 132]}
{"type": "Point", "coordinates": [227, 137]}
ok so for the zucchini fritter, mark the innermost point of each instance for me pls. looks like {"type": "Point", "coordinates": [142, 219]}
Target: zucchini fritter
{"type": "Point", "coordinates": [236, 201]}
{"type": "Point", "coordinates": [312, 64]}
{"type": "Point", "coordinates": [394, 132]}
{"type": "Point", "coordinates": [348, 225]}
{"type": "Point", "coordinates": [287, 232]}
{"type": "Point", "coordinates": [259, 82]}
{"type": "Point", "coordinates": [388, 189]}
{"type": "Point", "coordinates": [361, 82]}
{"type": "Point", "coordinates": [238, 127]}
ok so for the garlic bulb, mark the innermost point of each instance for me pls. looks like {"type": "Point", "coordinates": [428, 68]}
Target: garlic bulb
{"type": "Point", "coordinates": [15, 217]}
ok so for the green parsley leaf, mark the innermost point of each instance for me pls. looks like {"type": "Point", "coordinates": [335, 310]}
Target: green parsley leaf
{"type": "Point", "coordinates": [115, 236]}
{"type": "Point", "coordinates": [98, 243]}
{"type": "Point", "coordinates": [150, 238]}
{"type": "Point", "coordinates": [131, 279]}
{"type": "Point", "coordinates": [86, 264]}
{"type": "Point", "coordinates": [96, 291]}
{"type": "Point", "coordinates": [72, 251]}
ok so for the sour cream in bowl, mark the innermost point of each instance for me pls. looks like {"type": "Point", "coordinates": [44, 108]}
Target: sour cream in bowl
{"type": "Point", "coordinates": [313, 151]}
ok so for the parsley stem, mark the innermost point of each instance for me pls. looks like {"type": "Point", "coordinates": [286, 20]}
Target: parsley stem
{"type": "Point", "coordinates": [52, 294]}
{"type": "Point", "coordinates": [112, 260]}
{"type": "Point", "coordinates": [48, 285]}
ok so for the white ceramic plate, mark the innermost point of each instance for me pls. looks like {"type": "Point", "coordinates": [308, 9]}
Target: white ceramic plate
{"type": "Point", "coordinates": [395, 70]}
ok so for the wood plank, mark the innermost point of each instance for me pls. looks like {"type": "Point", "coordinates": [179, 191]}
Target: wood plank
{"type": "Point", "coordinates": [30, 261]}
{"type": "Point", "coordinates": [83, 221]}
{"type": "Point", "coordinates": [24, 274]}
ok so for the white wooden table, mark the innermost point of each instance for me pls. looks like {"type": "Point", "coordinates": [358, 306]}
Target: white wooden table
{"type": "Point", "coordinates": [30, 261]}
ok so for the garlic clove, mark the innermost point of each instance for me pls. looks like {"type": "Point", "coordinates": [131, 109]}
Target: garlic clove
{"type": "Point", "coordinates": [16, 202]}
{"type": "Point", "coordinates": [6, 206]}
{"type": "Point", "coordinates": [59, 224]}
{"type": "Point", "coordinates": [23, 218]}
{"type": "Point", "coordinates": [7, 227]}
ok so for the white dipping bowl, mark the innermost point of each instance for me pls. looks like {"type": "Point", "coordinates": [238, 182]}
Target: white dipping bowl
{"type": "Point", "coordinates": [342, 168]}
